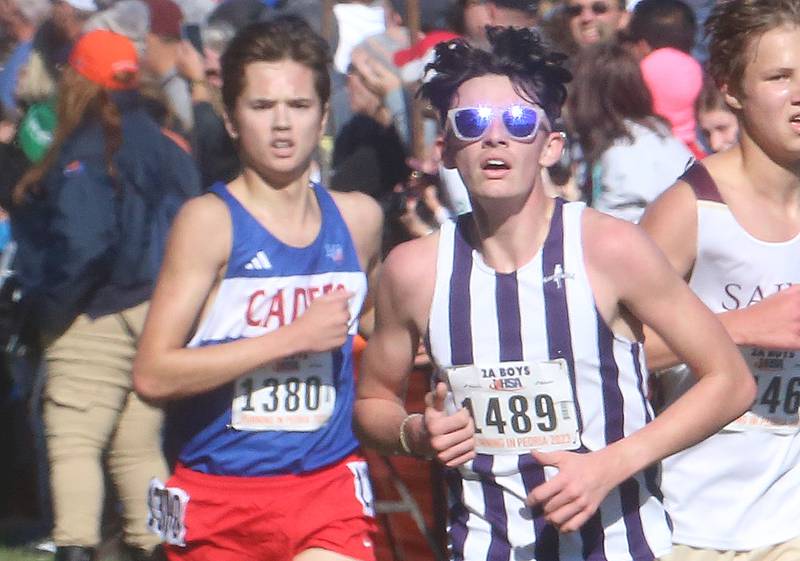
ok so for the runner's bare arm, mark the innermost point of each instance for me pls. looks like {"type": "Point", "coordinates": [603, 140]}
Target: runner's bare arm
{"type": "Point", "coordinates": [773, 323]}
{"type": "Point", "coordinates": [194, 261]}
{"type": "Point", "coordinates": [628, 268]}
{"type": "Point", "coordinates": [671, 221]}
{"type": "Point", "coordinates": [404, 294]}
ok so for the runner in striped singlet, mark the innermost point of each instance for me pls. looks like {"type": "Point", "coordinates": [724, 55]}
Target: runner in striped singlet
{"type": "Point", "coordinates": [531, 310]}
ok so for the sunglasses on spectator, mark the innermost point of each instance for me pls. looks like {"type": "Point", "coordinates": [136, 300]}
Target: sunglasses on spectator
{"type": "Point", "coordinates": [597, 8]}
{"type": "Point", "coordinates": [471, 123]}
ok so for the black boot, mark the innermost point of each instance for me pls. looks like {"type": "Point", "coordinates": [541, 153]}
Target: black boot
{"type": "Point", "coordinates": [74, 553]}
{"type": "Point", "coordinates": [136, 554]}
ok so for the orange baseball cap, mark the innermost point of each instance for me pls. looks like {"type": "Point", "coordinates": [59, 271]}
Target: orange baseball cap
{"type": "Point", "coordinates": [106, 58]}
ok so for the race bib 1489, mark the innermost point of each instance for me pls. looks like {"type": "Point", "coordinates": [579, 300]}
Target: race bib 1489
{"type": "Point", "coordinates": [518, 406]}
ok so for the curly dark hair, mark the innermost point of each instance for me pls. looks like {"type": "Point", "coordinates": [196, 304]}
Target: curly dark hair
{"type": "Point", "coordinates": [520, 54]}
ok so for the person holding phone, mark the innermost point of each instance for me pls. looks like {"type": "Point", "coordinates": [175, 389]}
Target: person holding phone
{"type": "Point", "coordinates": [213, 149]}
{"type": "Point", "coordinates": [160, 59]}
{"type": "Point", "coordinates": [191, 32]}
{"type": "Point", "coordinates": [532, 310]}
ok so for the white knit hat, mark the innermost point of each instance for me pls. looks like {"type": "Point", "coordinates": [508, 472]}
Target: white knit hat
{"type": "Point", "coordinates": [84, 5]}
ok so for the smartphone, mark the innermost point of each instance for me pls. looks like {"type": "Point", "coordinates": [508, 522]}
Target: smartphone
{"type": "Point", "coordinates": [191, 32]}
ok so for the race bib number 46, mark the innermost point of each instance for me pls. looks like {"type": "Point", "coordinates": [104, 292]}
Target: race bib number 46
{"type": "Point", "coordinates": [295, 394]}
{"type": "Point", "coordinates": [518, 406]}
{"type": "Point", "coordinates": [778, 400]}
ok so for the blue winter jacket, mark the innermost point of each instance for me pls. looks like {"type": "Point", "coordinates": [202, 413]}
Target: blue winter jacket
{"type": "Point", "coordinates": [69, 235]}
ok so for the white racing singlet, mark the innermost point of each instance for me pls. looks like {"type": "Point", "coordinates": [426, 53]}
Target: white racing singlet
{"type": "Point", "coordinates": [738, 489]}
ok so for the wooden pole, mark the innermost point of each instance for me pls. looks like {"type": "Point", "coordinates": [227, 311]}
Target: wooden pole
{"type": "Point", "coordinates": [417, 127]}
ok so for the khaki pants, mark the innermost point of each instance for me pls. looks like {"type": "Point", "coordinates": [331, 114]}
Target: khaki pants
{"type": "Point", "coordinates": [91, 414]}
{"type": "Point", "coordinates": [786, 551]}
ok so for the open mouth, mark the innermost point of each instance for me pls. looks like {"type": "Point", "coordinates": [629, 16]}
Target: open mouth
{"type": "Point", "coordinates": [495, 164]}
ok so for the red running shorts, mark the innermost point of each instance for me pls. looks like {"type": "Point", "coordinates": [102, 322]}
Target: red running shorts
{"type": "Point", "coordinates": [272, 518]}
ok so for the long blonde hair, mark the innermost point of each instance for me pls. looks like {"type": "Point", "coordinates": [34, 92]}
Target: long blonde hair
{"type": "Point", "coordinates": [78, 100]}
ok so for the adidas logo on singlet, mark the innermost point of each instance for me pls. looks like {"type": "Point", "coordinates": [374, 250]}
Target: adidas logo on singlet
{"type": "Point", "coordinates": [259, 263]}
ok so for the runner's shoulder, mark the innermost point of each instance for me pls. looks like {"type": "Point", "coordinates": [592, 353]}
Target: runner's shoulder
{"type": "Point", "coordinates": [361, 212]}
{"type": "Point", "coordinates": [411, 265]}
{"type": "Point", "coordinates": [607, 235]}
{"type": "Point", "coordinates": [203, 225]}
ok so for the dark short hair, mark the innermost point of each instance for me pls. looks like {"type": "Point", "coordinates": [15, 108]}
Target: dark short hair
{"type": "Point", "coordinates": [535, 72]}
{"type": "Point", "coordinates": [281, 38]}
{"type": "Point", "coordinates": [664, 23]}
{"type": "Point", "coordinates": [620, 3]}
{"type": "Point", "coordinates": [734, 24]}
{"type": "Point", "coordinates": [527, 6]}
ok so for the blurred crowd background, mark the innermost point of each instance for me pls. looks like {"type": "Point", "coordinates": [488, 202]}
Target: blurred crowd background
{"type": "Point", "coordinates": [640, 108]}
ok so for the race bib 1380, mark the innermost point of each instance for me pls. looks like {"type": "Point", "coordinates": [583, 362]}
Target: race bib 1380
{"type": "Point", "coordinates": [294, 394]}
